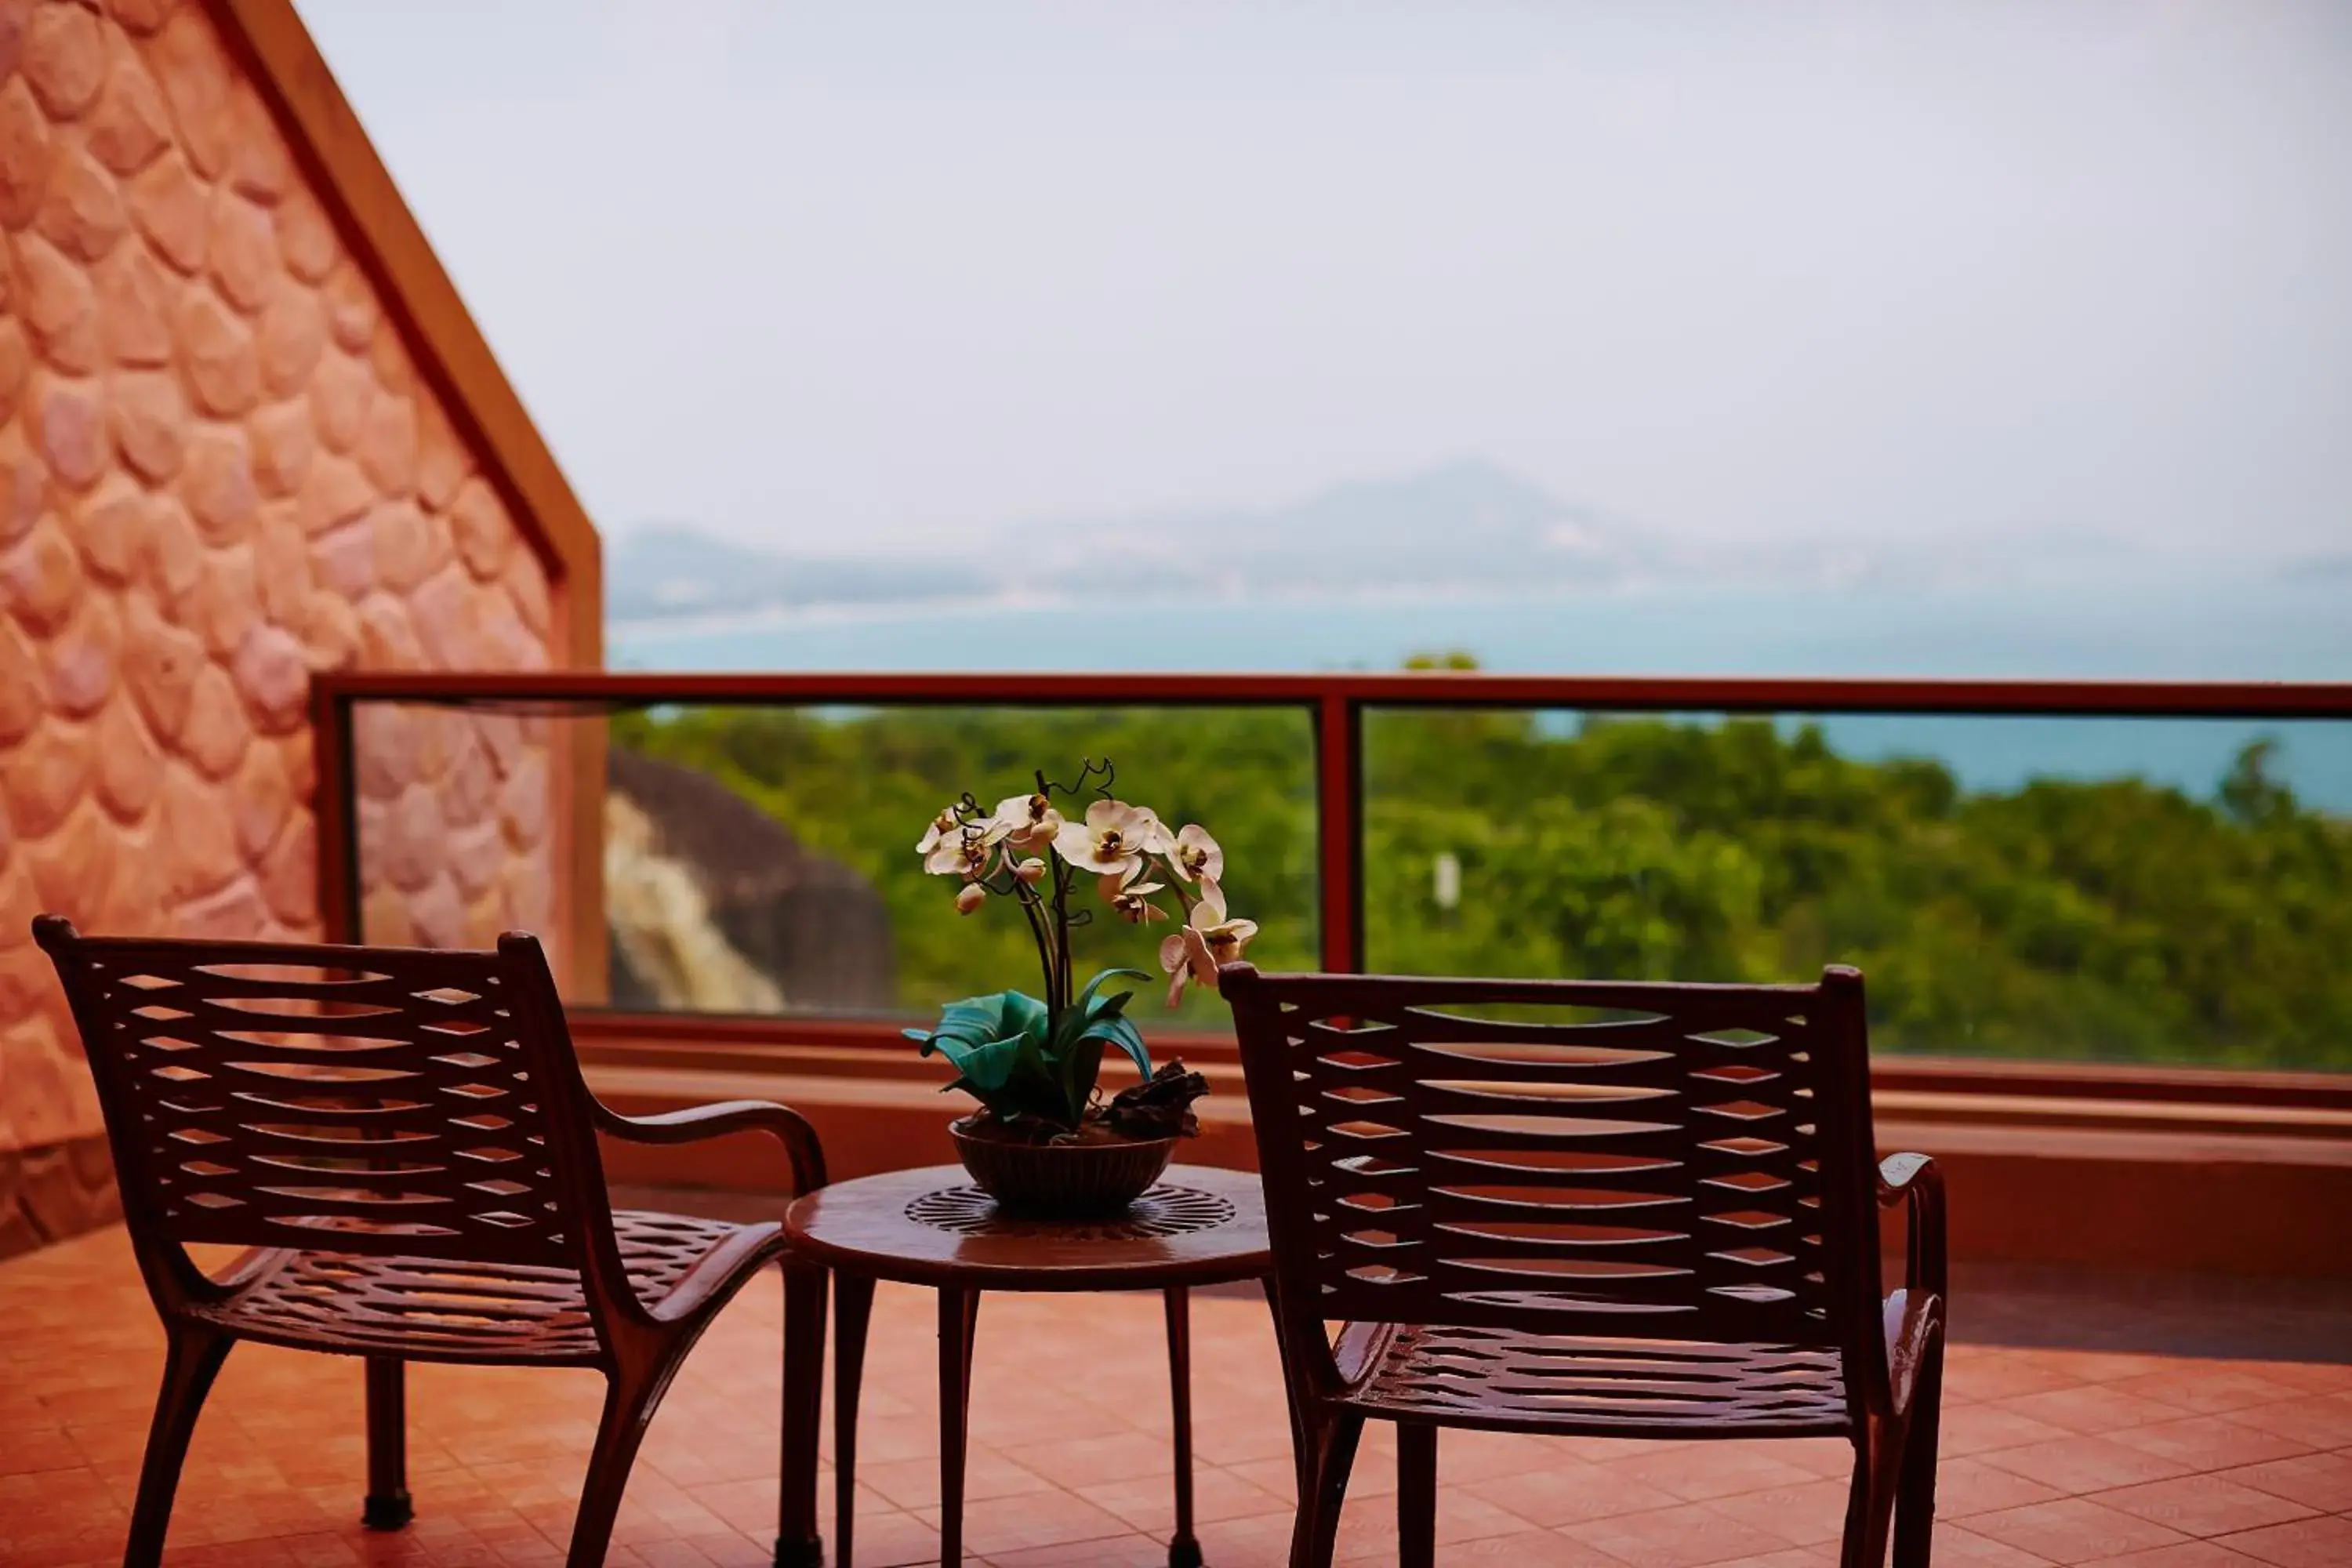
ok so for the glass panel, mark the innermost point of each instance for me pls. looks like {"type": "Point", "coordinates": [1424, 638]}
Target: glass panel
{"type": "Point", "coordinates": [761, 859]}
{"type": "Point", "coordinates": [462, 819]}
{"type": "Point", "coordinates": [2134, 889]}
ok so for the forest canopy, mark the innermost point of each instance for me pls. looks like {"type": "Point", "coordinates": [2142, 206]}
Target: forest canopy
{"type": "Point", "coordinates": [2110, 919]}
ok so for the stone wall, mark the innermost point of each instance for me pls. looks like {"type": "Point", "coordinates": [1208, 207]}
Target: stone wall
{"type": "Point", "coordinates": [219, 472]}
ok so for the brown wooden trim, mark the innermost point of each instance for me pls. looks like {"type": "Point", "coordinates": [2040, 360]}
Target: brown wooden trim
{"type": "Point", "coordinates": [1338, 797]}
{"type": "Point", "coordinates": [879, 1036]}
{"type": "Point", "coordinates": [2069, 1091]}
{"type": "Point", "coordinates": [358, 192]}
{"type": "Point", "coordinates": [335, 847]}
{"type": "Point", "coordinates": [579, 848]}
{"type": "Point", "coordinates": [1409, 689]}
{"type": "Point", "coordinates": [2114, 1081]}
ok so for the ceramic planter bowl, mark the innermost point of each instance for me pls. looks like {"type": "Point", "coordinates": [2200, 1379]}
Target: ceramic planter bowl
{"type": "Point", "coordinates": [1062, 1181]}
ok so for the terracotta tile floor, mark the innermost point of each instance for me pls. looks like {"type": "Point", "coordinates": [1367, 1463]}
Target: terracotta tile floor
{"type": "Point", "coordinates": [2051, 1456]}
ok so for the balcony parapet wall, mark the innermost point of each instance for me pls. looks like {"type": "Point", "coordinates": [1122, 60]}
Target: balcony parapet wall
{"type": "Point", "coordinates": [2152, 1169]}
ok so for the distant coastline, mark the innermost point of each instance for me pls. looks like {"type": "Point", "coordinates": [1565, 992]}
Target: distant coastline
{"type": "Point", "coordinates": [2179, 629]}
{"type": "Point", "coordinates": [689, 624]}
{"type": "Point", "coordinates": [2158, 629]}
{"type": "Point", "coordinates": [1451, 534]}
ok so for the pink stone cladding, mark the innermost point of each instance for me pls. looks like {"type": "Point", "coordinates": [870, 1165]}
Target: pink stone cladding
{"type": "Point", "coordinates": [220, 472]}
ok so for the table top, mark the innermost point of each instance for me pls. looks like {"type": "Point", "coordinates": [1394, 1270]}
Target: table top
{"type": "Point", "coordinates": [1199, 1226]}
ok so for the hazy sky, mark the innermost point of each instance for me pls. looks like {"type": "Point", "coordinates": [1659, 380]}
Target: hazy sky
{"type": "Point", "coordinates": [882, 270]}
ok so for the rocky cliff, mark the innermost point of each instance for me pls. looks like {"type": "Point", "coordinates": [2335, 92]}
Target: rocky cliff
{"type": "Point", "coordinates": [713, 906]}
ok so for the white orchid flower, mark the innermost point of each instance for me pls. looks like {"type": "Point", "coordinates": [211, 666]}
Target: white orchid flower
{"type": "Point", "coordinates": [1031, 871]}
{"type": "Point", "coordinates": [1112, 841]}
{"type": "Point", "coordinates": [945, 823]}
{"type": "Point", "coordinates": [1030, 821]}
{"type": "Point", "coordinates": [970, 897]}
{"type": "Point", "coordinates": [1157, 840]}
{"type": "Point", "coordinates": [1195, 854]}
{"type": "Point", "coordinates": [1176, 961]}
{"type": "Point", "coordinates": [1133, 901]}
{"type": "Point", "coordinates": [1208, 940]}
{"type": "Point", "coordinates": [969, 852]}
{"type": "Point", "coordinates": [1224, 938]}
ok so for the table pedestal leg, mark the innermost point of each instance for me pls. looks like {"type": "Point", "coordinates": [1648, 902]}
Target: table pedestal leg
{"type": "Point", "coordinates": [959, 1313]}
{"type": "Point", "coordinates": [853, 1299]}
{"type": "Point", "coordinates": [798, 1544]}
{"type": "Point", "coordinates": [1183, 1550]}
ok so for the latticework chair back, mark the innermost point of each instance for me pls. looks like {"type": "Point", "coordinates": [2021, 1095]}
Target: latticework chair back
{"type": "Point", "coordinates": [1636, 1160]}
{"type": "Point", "coordinates": [377, 1102]}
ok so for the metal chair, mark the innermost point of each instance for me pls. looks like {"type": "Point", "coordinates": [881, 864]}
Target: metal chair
{"type": "Point", "coordinates": [1590, 1208]}
{"type": "Point", "coordinates": [402, 1140]}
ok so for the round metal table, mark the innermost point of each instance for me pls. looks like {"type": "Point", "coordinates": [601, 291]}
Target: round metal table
{"type": "Point", "coordinates": [932, 1227]}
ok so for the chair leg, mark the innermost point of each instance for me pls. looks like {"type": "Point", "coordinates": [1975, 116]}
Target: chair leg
{"type": "Point", "coordinates": [853, 1303]}
{"type": "Point", "coordinates": [631, 1397]}
{"type": "Point", "coordinates": [1301, 1463]}
{"type": "Point", "coordinates": [1416, 1495]}
{"type": "Point", "coordinates": [192, 1358]}
{"type": "Point", "coordinates": [1331, 1446]}
{"type": "Point", "coordinates": [798, 1544]}
{"type": "Point", "coordinates": [1914, 1503]}
{"type": "Point", "coordinates": [388, 1504]}
{"type": "Point", "coordinates": [1870, 1501]}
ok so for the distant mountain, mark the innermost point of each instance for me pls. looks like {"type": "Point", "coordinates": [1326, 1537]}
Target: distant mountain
{"type": "Point", "coordinates": [667, 570]}
{"type": "Point", "coordinates": [1467, 525]}
{"type": "Point", "coordinates": [1464, 527]}
{"type": "Point", "coordinates": [2326, 567]}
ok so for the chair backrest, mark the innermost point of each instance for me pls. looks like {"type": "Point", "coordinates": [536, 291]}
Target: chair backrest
{"type": "Point", "coordinates": [1634, 1160]}
{"type": "Point", "coordinates": [358, 1100]}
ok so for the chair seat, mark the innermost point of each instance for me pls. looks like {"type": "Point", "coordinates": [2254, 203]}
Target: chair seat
{"type": "Point", "coordinates": [427, 1308]}
{"type": "Point", "coordinates": [1501, 1378]}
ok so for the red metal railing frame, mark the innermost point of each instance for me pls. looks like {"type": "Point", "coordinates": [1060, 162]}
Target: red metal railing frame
{"type": "Point", "coordinates": [1335, 703]}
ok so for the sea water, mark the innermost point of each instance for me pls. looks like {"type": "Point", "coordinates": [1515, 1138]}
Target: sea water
{"type": "Point", "coordinates": [2178, 630]}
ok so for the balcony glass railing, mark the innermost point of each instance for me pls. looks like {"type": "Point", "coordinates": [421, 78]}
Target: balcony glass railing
{"type": "Point", "coordinates": [832, 903]}
{"type": "Point", "coordinates": [2151, 874]}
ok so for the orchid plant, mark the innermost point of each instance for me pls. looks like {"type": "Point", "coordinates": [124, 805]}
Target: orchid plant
{"type": "Point", "coordinates": [1035, 1064]}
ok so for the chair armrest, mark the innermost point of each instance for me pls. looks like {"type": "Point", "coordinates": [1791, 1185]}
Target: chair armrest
{"type": "Point", "coordinates": [1914, 1180]}
{"type": "Point", "coordinates": [697, 1122]}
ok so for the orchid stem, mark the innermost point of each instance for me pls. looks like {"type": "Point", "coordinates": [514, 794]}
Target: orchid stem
{"type": "Point", "coordinates": [1061, 931]}
{"type": "Point", "coordinates": [1033, 907]}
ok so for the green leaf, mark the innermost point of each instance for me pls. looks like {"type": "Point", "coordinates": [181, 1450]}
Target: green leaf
{"type": "Point", "coordinates": [1120, 1031]}
{"type": "Point", "coordinates": [1033, 1087]}
{"type": "Point", "coordinates": [1077, 1045]}
{"type": "Point", "coordinates": [976, 1020]}
{"type": "Point", "coordinates": [988, 1067]}
{"type": "Point", "coordinates": [998, 1046]}
{"type": "Point", "coordinates": [1089, 1005]}
{"type": "Point", "coordinates": [1081, 1063]}
{"type": "Point", "coordinates": [1086, 999]}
